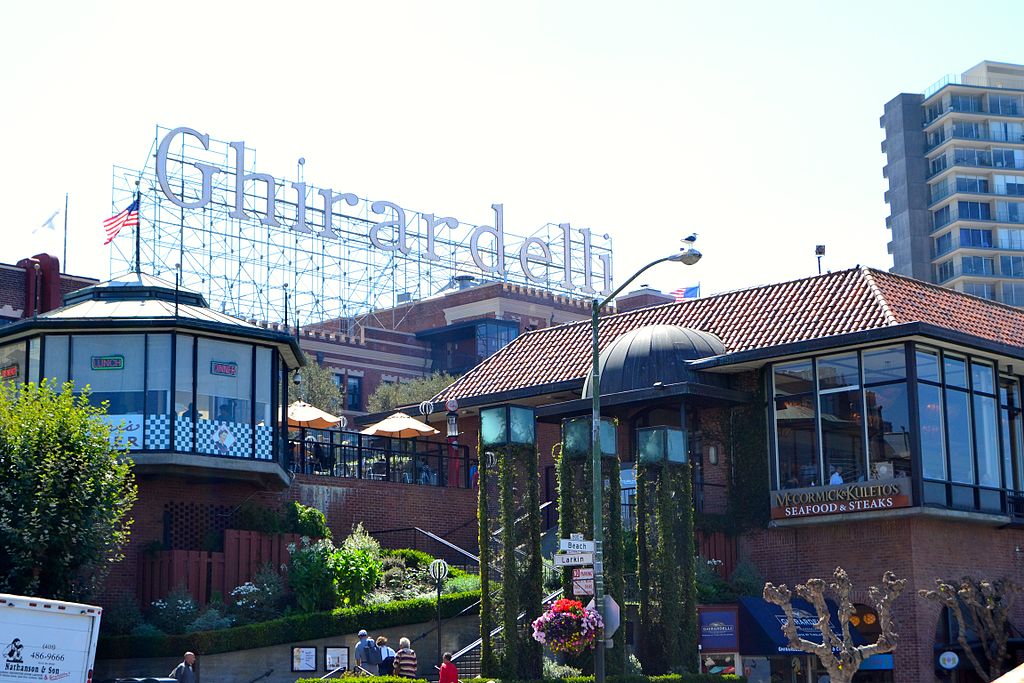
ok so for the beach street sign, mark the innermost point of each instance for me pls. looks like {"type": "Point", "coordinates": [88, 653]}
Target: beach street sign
{"type": "Point", "coordinates": [574, 545]}
{"type": "Point", "coordinates": [574, 560]}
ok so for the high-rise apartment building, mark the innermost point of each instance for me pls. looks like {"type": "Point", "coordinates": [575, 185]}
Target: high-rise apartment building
{"type": "Point", "coordinates": [955, 165]}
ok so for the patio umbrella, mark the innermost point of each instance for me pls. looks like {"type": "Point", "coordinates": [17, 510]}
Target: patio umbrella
{"type": "Point", "coordinates": [400, 426]}
{"type": "Point", "coordinates": [304, 415]}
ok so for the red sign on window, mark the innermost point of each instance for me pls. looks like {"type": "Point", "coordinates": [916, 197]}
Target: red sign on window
{"type": "Point", "coordinates": [9, 371]}
{"type": "Point", "coordinates": [227, 369]}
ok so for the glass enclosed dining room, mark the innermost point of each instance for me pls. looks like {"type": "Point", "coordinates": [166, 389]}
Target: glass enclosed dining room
{"type": "Point", "coordinates": [947, 420]}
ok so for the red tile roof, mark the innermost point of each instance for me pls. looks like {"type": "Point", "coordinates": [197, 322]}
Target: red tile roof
{"type": "Point", "coordinates": [854, 300]}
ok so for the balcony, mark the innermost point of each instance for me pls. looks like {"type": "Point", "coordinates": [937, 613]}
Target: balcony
{"type": "Point", "coordinates": [983, 159]}
{"type": "Point", "coordinates": [351, 455]}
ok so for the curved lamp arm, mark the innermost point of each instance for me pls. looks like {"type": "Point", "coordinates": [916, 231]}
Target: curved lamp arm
{"type": "Point", "coordinates": [688, 256]}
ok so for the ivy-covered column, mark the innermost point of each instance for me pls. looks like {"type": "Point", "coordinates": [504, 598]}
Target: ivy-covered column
{"type": "Point", "coordinates": [485, 465]}
{"type": "Point", "coordinates": [666, 552]}
{"type": "Point", "coordinates": [575, 515]}
{"type": "Point", "coordinates": [508, 432]}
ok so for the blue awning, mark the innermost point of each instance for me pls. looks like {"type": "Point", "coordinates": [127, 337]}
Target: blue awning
{"type": "Point", "coordinates": [761, 625]}
{"type": "Point", "coordinates": [877, 663]}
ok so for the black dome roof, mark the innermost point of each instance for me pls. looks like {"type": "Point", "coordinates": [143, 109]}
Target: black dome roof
{"type": "Point", "coordinates": [655, 353]}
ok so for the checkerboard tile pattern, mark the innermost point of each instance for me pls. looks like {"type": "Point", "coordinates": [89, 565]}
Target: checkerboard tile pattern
{"type": "Point", "coordinates": [182, 434]}
{"type": "Point", "coordinates": [264, 443]}
{"type": "Point", "coordinates": [158, 432]}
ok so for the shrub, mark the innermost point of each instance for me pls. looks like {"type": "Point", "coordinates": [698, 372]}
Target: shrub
{"type": "Point", "coordinates": [174, 613]}
{"type": "Point", "coordinates": [552, 669]}
{"type": "Point", "coordinates": [414, 559]}
{"type": "Point", "coordinates": [122, 617]}
{"type": "Point", "coordinates": [359, 540]}
{"type": "Point", "coordinates": [711, 588]}
{"type": "Point", "coordinates": [746, 580]}
{"type": "Point", "coordinates": [259, 599]}
{"type": "Point", "coordinates": [253, 517]}
{"type": "Point", "coordinates": [312, 575]}
{"type": "Point", "coordinates": [304, 520]}
{"type": "Point", "coordinates": [357, 570]}
{"type": "Point", "coordinates": [633, 667]}
{"type": "Point", "coordinates": [461, 584]}
{"type": "Point", "coordinates": [210, 620]}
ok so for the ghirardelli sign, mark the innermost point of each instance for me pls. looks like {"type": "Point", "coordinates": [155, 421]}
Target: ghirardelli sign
{"type": "Point", "coordinates": [262, 198]}
{"type": "Point", "coordinates": [877, 494]}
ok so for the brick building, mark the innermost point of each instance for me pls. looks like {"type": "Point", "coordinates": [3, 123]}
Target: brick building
{"type": "Point", "coordinates": [861, 418]}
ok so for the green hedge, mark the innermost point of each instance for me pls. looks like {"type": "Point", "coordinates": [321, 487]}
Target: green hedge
{"type": "Point", "coordinates": [668, 678]}
{"type": "Point", "coordinates": [288, 629]}
{"type": "Point", "coordinates": [374, 679]}
{"type": "Point", "coordinates": [685, 678]}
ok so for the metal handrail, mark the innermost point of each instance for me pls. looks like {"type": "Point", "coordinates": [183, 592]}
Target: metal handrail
{"type": "Point", "coordinates": [476, 643]}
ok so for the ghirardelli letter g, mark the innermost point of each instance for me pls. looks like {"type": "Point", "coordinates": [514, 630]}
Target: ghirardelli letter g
{"type": "Point", "coordinates": [206, 169]}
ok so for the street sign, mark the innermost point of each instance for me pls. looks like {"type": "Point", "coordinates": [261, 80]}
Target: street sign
{"type": "Point", "coordinates": [583, 586]}
{"type": "Point", "coordinates": [574, 560]}
{"type": "Point", "coordinates": [612, 617]}
{"type": "Point", "coordinates": [573, 545]}
{"type": "Point", "coordinates": [582, 573]}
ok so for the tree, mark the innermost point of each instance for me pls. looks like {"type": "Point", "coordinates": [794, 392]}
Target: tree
{"type": "Point", "coordinates": [65, 493]}
{"type": "Point", "coordinates": [842, 666]}
{"type": "Point", "coordinates": [389, 396]}
{"type": "Point", "coordinates": [317, 388]}
{"type": "Point", "coordinates": [981, 607]}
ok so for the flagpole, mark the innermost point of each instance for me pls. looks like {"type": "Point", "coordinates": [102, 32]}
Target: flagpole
{"type": "Point", "coordinates": [138, 231]}
{"type": "Point", "coordinates": [64, 260]}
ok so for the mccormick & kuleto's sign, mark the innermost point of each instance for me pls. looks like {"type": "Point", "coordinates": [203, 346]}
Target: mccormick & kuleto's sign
{"type": "Point", "coordinates": [9, 371]}
{"type": "Point", "coordinates": [225, 368]}
{"type": "Point", "coordinates": [107, 362]}
{"type": "Point", "coordinates": [863, 496]}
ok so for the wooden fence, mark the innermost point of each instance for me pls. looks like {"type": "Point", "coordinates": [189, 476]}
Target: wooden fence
{"type": "Point", "coordinates": [203, 573]}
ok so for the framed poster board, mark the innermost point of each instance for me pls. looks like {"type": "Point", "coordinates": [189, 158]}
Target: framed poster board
{"type": "Point", "coordinates": [303, 658]}
{"type": "Point", "coordinates": [335, 658]}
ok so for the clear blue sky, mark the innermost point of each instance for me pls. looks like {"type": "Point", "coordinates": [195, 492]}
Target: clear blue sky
{"type": "Point", "coordinates": [754, 124]}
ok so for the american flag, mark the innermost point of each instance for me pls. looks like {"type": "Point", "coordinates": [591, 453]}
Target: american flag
{"type": "Point", "coordinates": [684, 293]}
{"type": "Point", "coordinates": [129, 217]}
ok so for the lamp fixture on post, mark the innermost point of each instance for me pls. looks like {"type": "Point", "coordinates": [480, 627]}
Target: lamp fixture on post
{"type": "Point", "coordinates": [688, 256]}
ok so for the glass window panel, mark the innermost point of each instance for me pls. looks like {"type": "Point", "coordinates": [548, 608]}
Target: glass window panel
{"type": "Point", "coordinates": [183, 405]}
{"type": "Point", "coordinates": [112, 366]}
{"type": "Point", "coordinates": [223, 395]}
{"type": "Point", "coordinates": [794, 378]}
{"type": "Point", "coordinates": [982, 377]}
{"type": "Point", "coordinates": [264, 425]}
{"type": "Point", "coordinates": [650, 445]}
{"type": "Point", "coordinates": [933, 452]}
{"type": "Point", "coordinates": [354, 393]}
{"type": "Point", "coordinates": [493, 427]}
{"type": "Point", "coordinates": [524, 425]}
{"type": "Point", "coordinates": [796, 442]}
{"type": "Point", "coordinates": [888, 430]}
{"type": "Point", "coordinates": [1013, 434]}
{"type": "Point", "coordinates": [55, 358]}
{"type": "Point", "coordinates": [885, 365]}
{"type": "Point", "coordinates": [675, 445]}
{"type": "Point", "coordinates": [12, 363]}
{"type": "Point", "coordinates": [33, 359]}
{"type": "Point", "coordinates": [842, 436]}
{"type": "Point", "coordinates": [838, 371]}
{"type": "Point", "coordinates": [986, 439]}
{"type": "Point", "coordinates": [961, 453]}
{"type": "Point", "coordinates": [158, 391]}
{"type": "Point", "coordinates": [956, 371]}
{"type": "Point", "coordinates": [928, 365]}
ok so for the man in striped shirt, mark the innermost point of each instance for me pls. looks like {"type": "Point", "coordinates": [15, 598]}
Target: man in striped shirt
{"type": "Point", "coordinates": [405, 659]}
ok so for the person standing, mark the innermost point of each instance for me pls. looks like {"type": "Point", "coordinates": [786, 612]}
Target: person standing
{"type": "Point", "coordinates": [387, 657]}
{"type": "Point", "coordinates": [449, 674]}
{"type": "Point", "coordinates": [367, 653]}
{"type": "Point", "coordinates": [184, 672]}
{"type": "Point", "coordinates": [405, 659]}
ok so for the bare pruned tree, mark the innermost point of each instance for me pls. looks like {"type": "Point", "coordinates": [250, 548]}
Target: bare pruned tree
{"type": "Point", "coordinates": [841, 657]}
{"type": "Point", "coordinates": [982, 607]}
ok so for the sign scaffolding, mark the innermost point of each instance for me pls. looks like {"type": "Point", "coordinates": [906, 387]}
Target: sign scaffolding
{"type": "Point", "coordinates": [244, 238]}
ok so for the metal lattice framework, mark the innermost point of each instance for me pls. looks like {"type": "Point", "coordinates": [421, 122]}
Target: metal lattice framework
{"type": "Point", "coordinates": [244, 267]}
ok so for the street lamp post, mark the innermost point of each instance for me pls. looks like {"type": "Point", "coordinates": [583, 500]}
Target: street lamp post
{"type": "Point", "coordinates": [687, 256]}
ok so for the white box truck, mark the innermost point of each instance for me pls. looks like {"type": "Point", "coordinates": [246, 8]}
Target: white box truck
{"type": "Point", "coordinates": [47, 640]}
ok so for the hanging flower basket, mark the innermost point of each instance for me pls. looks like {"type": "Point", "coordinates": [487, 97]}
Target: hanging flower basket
{"type": "Point", "coordinates": [568, 627]}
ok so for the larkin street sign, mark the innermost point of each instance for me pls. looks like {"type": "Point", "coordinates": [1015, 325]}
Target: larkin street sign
{"type": "Point", "coordinates": [885, 494]}
{"type": "Point", "coordinates": [254, 197]}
